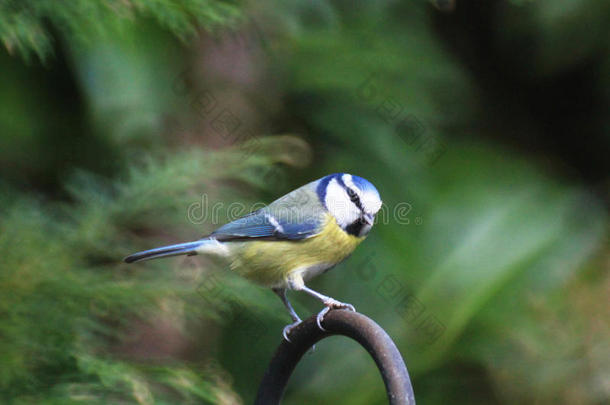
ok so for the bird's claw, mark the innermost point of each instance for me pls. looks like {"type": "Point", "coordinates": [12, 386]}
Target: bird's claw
{"type": "Point", "coordinates": [332, 304]}
{"type": "Point", "coordinates": [288, 329]}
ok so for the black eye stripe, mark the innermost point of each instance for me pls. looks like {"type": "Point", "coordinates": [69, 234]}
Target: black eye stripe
{"type": "Point", "coordinates": [354, 197]}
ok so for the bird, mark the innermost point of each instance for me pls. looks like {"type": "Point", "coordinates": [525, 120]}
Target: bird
{"type": "Point", "coordinates": [293, 239]}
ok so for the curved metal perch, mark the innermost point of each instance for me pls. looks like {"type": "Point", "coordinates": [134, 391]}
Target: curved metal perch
{"type": "Point", "coordinates": [338, 322]}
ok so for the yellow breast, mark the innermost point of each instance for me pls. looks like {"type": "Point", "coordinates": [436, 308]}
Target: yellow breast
{"type": "Point", "coordinates": [270, 262]}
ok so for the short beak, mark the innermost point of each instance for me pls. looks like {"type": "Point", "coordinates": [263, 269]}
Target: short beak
{"type": "Point", "coordinates": [368, 219]}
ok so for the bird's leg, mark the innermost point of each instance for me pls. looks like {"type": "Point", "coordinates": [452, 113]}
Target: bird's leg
{"type": "Point", "coordinates": [281, 292]}
{"type": "Point", "coordinates": [329, 303]}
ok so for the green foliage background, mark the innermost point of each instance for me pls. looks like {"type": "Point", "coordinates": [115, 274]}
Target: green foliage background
{"type": "Point", "coordinates": [108, 141]}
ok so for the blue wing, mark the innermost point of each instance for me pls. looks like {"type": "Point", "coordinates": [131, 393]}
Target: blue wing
{"type": "Point", "coordinates": [297, 215]}
{"type": "Point", "coordinates": [262, 224]}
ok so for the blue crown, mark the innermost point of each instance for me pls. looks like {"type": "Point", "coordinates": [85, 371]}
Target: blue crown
{"type": "Point", "coordinates": [360, 182]}
{"type": "Point", "coordinates": [365, 185]}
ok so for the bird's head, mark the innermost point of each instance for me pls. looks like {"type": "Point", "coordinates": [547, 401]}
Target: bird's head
{"type": "Point", "coordinates": [351, 200]}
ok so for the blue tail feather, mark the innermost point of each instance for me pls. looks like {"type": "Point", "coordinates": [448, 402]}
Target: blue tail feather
{"type": "Point", "coordinates": [188, 248]}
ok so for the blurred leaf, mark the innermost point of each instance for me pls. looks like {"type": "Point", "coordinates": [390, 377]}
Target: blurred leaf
{"type": "Point", "coordinates": [64, 301]}
{"type": "Point", "coordinates": [24, 28]}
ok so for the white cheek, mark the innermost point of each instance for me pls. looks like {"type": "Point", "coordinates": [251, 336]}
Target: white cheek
{"type": "Point", "coordinates": [371, 203]}
{"type": "Point", "coordinates": [344, 212]}
{"type": "Point", "coordinates": [339, 204]}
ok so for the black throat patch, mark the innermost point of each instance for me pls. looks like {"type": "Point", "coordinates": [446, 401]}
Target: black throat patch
{"type": "Point", "coordinates": [355, 227]}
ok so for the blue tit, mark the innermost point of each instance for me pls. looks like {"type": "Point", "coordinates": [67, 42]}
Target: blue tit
{"type": "Point", "coordinates": [296, 237]}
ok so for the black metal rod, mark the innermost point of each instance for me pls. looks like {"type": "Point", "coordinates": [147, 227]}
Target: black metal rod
{"type": "Point", "coordinates": [338, 322]}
